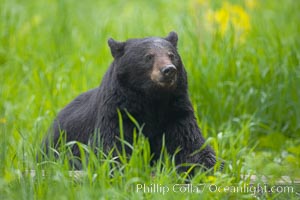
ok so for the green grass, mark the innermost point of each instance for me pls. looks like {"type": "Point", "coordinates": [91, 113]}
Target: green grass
{"type": "Point", "coordinates": [244, 84]}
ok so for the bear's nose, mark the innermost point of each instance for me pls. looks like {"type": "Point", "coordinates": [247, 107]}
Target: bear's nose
{"type": "Point", "coordinates": [168, 71]}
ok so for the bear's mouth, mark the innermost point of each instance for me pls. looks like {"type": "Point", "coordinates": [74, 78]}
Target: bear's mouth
{"type": "Point", "coordinates": [167, 82]}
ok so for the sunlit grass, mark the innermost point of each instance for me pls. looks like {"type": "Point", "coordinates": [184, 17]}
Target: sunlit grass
{"type": "Point", "coordinates": [244, 78]}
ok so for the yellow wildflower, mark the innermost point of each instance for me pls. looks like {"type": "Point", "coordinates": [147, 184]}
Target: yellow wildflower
{"type": "Point", "coordinates": [2, 120]}
{"type": "Point", "coordinates": [211, 179]}
{"type": "Point", "coordinates": [230, 15]}
{"type": "Point", "coordinates": [250, 3]}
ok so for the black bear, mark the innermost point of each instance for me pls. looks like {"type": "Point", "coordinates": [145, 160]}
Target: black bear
{"type": "Point", "coordinates": [146, 79]}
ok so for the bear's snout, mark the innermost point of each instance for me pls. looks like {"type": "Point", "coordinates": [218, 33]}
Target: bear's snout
{"type": "Point", "coordinates": [165, 76]}
{"type": "Point", "coordinates": [168, 75]}
{"type": "Point", "coordinates": [168, 72]}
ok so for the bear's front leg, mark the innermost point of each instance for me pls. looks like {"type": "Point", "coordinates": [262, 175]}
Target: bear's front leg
{"type": "Point", "coordinates": [185, 135]}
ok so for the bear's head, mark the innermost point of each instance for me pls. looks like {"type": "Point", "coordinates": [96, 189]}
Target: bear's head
{"type": "Point", "coordinates": [148, 64]}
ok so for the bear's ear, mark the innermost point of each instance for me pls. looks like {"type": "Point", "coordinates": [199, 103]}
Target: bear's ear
{"type": "Point", "coordinates": [116, 48]}
{"type": "Point", "coordinates": [173, 38]}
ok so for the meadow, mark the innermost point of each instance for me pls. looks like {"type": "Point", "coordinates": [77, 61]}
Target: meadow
{"type": "Point", "coordinates": [243, 64]}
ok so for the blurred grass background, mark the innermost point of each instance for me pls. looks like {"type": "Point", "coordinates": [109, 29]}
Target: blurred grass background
{"type": "Point", "coordinates": [242, 58]}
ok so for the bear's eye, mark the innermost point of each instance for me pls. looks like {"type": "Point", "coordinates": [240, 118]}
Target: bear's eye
{"type": "Point", "coordinates": [149, 57]}
{"type": "Point", "coordinates": [171, 56]}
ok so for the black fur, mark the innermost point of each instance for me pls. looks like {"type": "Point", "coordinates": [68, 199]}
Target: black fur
{"type": "Point", "coordinates": [127, 86]}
